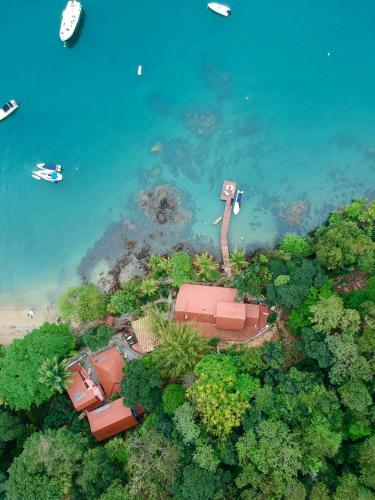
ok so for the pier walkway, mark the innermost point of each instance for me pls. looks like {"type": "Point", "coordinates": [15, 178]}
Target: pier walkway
{"type": "Point", "coordinates": [228, 192]}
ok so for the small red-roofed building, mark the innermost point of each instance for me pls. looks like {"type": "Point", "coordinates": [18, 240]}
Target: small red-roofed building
{"type": "Point", "coordinates": [85, 395]}
{"type": "Point", "coordinates": [108, 366]}
{"type": "Point", "coordinates": [112, 418]}
{"type": "Point", "coordinates": [216, 312]}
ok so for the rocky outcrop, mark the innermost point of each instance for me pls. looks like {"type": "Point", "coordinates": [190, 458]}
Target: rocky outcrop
{"type": "Point", "coordinates": [162, 205]}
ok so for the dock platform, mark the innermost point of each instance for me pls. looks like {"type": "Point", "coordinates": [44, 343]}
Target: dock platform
{"type": "Point", "coordinates": [227, 194]}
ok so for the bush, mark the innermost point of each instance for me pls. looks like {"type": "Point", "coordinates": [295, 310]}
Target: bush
{"type": "Point", "coordinates": [295, 245]}
{"type": "Point", "coordinates": [96, 338]}
{"type": "Point", "coordinates": [272, 317]}
{"type": "Point", "coordinates": [182, 269]}
{"type": "Point", "coordinates": [83, 304]}
{"type": "Point", "coordinates": [173, 397]}
{"type": "Point", "coordinates": [127, 299]}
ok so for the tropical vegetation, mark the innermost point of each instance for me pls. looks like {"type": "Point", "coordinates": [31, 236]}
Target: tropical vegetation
{"type": "Point", "coordinates": [293, 418]}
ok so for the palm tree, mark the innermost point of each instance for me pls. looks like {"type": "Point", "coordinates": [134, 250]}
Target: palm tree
{"type": "Point", "coordinates": [238, 261]}
{"type": "Point", "coordinates": [205, 265]}
{"type": "Point", "coordinates": [161, 266]}
{"type": "Point", "coordinates": [148, 287]}
{"type": "Point", "coordinates": [181, 345]}
{"type": "Point", "coordinates": [55, 375]}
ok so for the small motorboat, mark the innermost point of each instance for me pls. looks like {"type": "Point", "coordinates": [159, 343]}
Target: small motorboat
{"type": "Point", "coordinates": [52, 167]}
{"type": "Point", "coordinates": [70, 19]}
{"type": "Point", "coordinates": [219, 8]}
{"type": "Point", "coordinates": [8, 108]}
{"type": "Point", "coordinates": [47, 175]}
{"type": "Point", "coordinates": [237, 202]}
{"type": "Point", "coordinates": [139, 70]}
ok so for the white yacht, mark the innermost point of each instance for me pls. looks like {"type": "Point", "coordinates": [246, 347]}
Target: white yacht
{"type": "Point", "coordinates": [8, 109]}
{"type": "Point", "coordinates": [70, 19]}
{"type": "Point", "coordinates": [52, 167]}
{"type": "Point", "coordinates": [237, 202]}
{"type": "Point", "coordinates": [219, 8]}
{"type": "Point", "coordinates": [47, 175]}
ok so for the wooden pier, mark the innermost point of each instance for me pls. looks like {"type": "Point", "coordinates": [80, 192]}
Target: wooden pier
{"type": "Point", "coordinates": [228, 192]}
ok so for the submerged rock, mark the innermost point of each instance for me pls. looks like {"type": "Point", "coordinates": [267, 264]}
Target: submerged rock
{"type": "Point", "coordinates": [203, 123]}
{"type": "Point", "coordinates": [162, 205]}
{"type": "Point", "coordinates": [157, 147]}
{"type": "Point", "coordinates": [293, 213]}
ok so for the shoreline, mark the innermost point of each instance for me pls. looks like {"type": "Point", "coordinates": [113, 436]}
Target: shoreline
{"type": "Point", "coordinates": [14, 321]}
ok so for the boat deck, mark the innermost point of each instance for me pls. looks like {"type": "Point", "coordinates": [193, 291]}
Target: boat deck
{"type": "Point", "coordinates": [227, 194]}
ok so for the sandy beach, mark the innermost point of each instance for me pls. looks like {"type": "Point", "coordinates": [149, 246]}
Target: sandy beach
{"type": "Point", "coordinates": [14, 320]}
{"type": "Point", "coordinates": [15, 323]}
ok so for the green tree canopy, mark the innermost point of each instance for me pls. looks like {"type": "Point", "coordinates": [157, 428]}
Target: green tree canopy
{"type": "Point", "coordinates": [303, 274]}
{"type": "Point", "coordinates": [19, 368]}
{"type": "Point", "coordinates": [329, 315]}
{"type": "Point", "coordinates": [344, 244]}
{"type": "Point", "coordinates": [153, 465]}
{"type": "Point", "coordinates": [47, 466]}
{"type": "Point", "coordinates": [173, 396]}
{"type": "Point", "coordinates": [142, 384]}
{"type": "Point", "coordinates": [97, 338]}
{"type": "Point", "coordinates": [269, 456]}
{"type": "Point", "coordinates": [295, 245]}
{"type": "Point", "coordinates": [82, 304]}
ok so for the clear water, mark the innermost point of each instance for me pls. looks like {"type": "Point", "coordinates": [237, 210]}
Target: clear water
{"type": "Point", "coordinates": [254, 98]}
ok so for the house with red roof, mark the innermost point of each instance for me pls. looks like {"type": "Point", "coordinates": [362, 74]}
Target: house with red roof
{"type": "Point", "coordinates": [217, 313]}
{"type": "Point", "coordinates": [112, 418]}
{"type": "Point", "coordinates": [109, 366]}
{"type": "Point", "coordinates": [83, 392]}
{"type": "Point", "coordinates": [106, 418]}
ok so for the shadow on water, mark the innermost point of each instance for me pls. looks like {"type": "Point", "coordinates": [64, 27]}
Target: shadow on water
{"type": "Point", "coordinates": [77, 34]}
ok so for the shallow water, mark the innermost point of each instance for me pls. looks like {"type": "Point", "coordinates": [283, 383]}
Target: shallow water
{"type": "Point", "coordinates": [254, 98]}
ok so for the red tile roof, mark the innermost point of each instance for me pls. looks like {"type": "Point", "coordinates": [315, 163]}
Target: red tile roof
{"type": "Point", "coordinates": [111, 419]}
{"type": "Point", "coordinates": [218, 314]}
{"type": "Point", "coordinates": [85, 395]}
{"type": "Point", "coordinates": [108, 366]}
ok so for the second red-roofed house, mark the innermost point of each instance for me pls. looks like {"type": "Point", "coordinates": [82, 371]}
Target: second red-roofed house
{"type": "Point", "coordinates": [85, 395]}
{"type": "Point", "coordinates": [108, 366]}
{"type": "Point", "coordinates": [112, 418]}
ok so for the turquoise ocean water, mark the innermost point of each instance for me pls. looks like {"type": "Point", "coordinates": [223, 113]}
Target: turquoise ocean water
{"type": "Point", "coordinates": [279, 97]}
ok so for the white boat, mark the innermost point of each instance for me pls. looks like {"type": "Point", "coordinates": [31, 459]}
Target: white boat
{"type": "Point", "coordinates": [8, 108]}
{"type": "Point", "coordinates": [139, 71]}
{"type": "Point", "coordinates": [219, 8]}
{"type": "Point", "coordinates": [52, 167]}
{"type": "Point", "coordinates": [237, 202]}
{"type": "Point", "coordinates": [47, 175]}
{"type": "Point", "coordinates": [70, 19]}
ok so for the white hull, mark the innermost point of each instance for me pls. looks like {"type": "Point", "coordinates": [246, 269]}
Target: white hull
{"type": "Point", "coordinates": [237, 202]}
{"type": "Point", "coordinates": [50, 167]}
{"type": "Point", "coordinates": [70, 19]}
{"type": "Point", "coordinates": [219, 8]}
{"type": "Point", "coordinates": [47, 175]}
{"type": "Point", "coordinates": [8, 108]}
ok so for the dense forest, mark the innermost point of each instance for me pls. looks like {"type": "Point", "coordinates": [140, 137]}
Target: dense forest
{"type": "Point", "coordinates": [292, 418]}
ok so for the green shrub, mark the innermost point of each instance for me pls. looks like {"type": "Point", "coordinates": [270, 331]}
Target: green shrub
{"type": "Point", "coordinates": [272, 317]}
{"type": "Point", "coordinates": [182, 269]}
{"type": "Point", "coordinates": [295, 245]}
{"type": "Point", "coordinates": [127, 299]}
{"type": "Point", "coordinates": [96, 338]}
{"type": "Point", "coordinates": [83, 304]}
{"type": "Point", "coordinates": [173, 397]}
